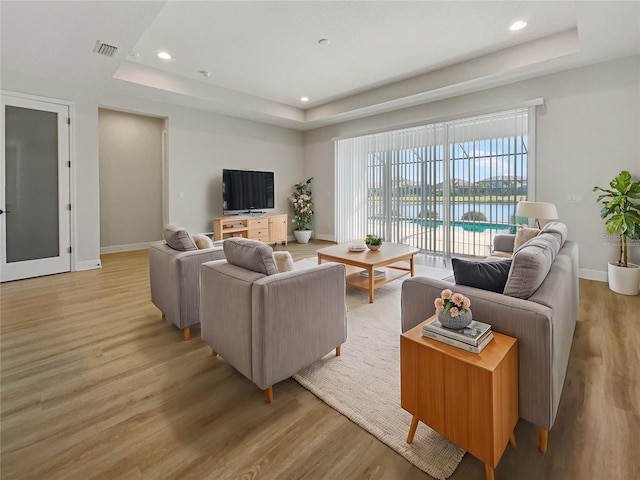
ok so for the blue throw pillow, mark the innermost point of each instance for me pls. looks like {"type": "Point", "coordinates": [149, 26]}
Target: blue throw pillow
{"type": "Point", "coordinates": [490, 276]}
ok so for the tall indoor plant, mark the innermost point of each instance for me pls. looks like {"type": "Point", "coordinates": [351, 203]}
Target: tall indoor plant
{"type": "Point", "coordinates": [621, 213]}
{"type": "Point", "coordinates": [302, 210]}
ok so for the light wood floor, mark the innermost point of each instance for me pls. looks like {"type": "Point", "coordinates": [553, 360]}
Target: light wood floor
{"type": "Point", "coordinates": [95, 385]}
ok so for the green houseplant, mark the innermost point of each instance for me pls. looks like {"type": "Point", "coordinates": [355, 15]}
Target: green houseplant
{"type": "Point", "coordinates": [373, 242]}
{"type": "Point", "coordinates": [302, 210]}
{"type": "Point", "coordinates": [621, 213]}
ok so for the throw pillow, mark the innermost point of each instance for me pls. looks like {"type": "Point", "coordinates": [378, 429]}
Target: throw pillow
{"type": "Point", "coordinates": [178, 238]}
{"type": "Point", "coordinates": [530, 265]}
{"type": "Point", "coordinates": [250, 254]}
{"type": "Point", "coordinates": [557, 228]}
{"type": "Point", "coordinates": [284, 261]}
{"type": "Point", "coordinates": [202, 241]}
{"type": "Point", "coordinates": [523, 235]}
{"type": "Point", "coordinates": [491, 276]}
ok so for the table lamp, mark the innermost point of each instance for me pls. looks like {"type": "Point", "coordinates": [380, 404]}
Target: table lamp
{"type": "Point", "coordinates": [537, 210]}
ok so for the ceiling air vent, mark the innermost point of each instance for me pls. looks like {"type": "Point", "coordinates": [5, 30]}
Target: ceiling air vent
{"type": "Point", "coordinates": [105, 49]}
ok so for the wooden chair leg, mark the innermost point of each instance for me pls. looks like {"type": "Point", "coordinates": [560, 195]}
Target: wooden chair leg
{"type": "Point", "coordinates": [214, 353]}
{"type": "Point", "coordinates": [268, 392]}
{"type": "Point", "coordinates": [187, 333]}
{"type": "Point", "coordinates": [543, 438]}
{"type": "Point", "coordinates": [512, 441]}
{"type": "Point", "coordinates": [338, 350]}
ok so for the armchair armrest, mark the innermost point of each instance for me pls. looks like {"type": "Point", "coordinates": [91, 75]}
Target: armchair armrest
{"type": "Point", "coordinates": [175, 281]}
{"type": "Point", "coordinates": [298, 317]}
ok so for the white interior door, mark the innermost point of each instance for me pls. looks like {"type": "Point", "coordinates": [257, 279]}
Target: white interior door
{"type": "Point", "coordinates": [34, 189]}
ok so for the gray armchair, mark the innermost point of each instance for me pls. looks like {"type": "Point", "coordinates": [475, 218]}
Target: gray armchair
{"type": "Point", "coordinates": [174, 275]}
{"type": "Point", "coordinates": [270, 325]}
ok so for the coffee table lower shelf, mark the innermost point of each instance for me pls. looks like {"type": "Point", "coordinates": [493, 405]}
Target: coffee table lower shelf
{"type": "Point", "coordinates": [355, 280]}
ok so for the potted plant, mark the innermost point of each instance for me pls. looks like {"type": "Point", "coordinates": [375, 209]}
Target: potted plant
{"type": "Point", "coordinates": [302, 210]}
{"type": "Point", "coordinates": [621, 213]}
{"type": "Point", "coordinates": [373, 242]}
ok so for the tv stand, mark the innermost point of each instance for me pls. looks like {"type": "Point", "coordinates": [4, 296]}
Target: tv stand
{"type": "Point", "coordinates": [267, 229]}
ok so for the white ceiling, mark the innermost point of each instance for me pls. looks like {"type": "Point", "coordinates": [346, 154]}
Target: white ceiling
{"type": "Point", "coordinates": [263, 55]}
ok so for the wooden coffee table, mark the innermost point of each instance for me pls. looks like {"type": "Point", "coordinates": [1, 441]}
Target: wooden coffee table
{"type": "Point", "coordinates": [387, 256]}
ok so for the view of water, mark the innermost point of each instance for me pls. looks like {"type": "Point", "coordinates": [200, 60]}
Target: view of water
{"type": "Point", "coordinates": [496, 212]}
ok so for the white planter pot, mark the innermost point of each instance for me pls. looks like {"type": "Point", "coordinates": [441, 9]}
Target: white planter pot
{"type": "Point", "coordinates": [624, 280]}
{"type": "Point", "coordinates": [302, 236]}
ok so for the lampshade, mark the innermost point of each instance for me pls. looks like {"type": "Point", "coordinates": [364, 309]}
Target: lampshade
{"type": "Point", "coordinates": [537, 210]}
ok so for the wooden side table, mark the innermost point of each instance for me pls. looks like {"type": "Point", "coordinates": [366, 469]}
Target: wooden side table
{"type": "Point", "coordinates": [472, 399]}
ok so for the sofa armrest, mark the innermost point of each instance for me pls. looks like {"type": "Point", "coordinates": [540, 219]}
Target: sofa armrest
{"type": "Point", "coordinates": [504, 242]}
{"type": "Point", "coordinates": [298, 317]}
{"type": "Point", "coordinates": [529, 322]}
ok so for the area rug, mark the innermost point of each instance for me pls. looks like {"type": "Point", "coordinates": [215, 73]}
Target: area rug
{"type": "Point", "coordinates": [363, 383]}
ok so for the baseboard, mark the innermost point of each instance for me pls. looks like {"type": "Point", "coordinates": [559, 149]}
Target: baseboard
{"type": "Point", "coordinates": [125, 248]}
{"type": "Point", "coordinates": [328, 238]}
{"type": "Point", "coordinates": [588, 274]}
{"type": "Point", "coordinates": [88, 265]}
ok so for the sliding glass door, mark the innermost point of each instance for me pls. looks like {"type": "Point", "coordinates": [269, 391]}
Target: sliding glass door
{"type": "Point", "coordinates": [446, 188]}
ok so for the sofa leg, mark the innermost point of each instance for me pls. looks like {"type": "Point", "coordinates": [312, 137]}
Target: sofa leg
{"type": "Point", "coordinates": [214, 353]}
{"type": "Point", "coordinates": [187, 333]}
{"type": "Point", "coordinates": [268, 392]}
{"type": "Point", "coordinates": [338, 350]}
{"type": "Point", "coordinates": [543, 438]}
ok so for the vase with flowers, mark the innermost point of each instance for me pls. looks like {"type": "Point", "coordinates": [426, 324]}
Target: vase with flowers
{"type": "Point", "coordinates": [302, 210]}
{"type": "Point", "coordinates": [453, 310]}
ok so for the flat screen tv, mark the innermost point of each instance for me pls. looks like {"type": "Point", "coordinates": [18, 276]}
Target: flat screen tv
{"type": "Point", "coordinates": [247, 190]}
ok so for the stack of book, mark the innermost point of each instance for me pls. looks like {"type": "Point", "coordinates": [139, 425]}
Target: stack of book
{"type": "Point", "coordinates": [376, 273]}
{"type": "Point", "coordinates": [472, 338]}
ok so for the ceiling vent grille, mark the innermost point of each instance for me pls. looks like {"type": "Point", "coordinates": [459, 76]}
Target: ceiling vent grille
{"type": "Point", "coordinates": [105, 49]}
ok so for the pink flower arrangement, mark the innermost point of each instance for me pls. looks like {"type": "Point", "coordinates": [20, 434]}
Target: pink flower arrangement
{"type": "Point", "coordinates": [455, 303]}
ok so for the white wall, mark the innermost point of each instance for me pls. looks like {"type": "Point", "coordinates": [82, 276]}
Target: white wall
{"type": "Point", "coordinates": [200, 145]}
{"type": "Point", "coordinates": [131, 161]}
{"type": "Point", "coordinates": [587, 132]}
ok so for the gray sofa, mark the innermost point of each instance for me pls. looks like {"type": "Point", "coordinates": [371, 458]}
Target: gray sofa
{"type": "Point", "coordinates": [174, 276]}
{"type": "Point", "coordinates": [268, 324]}
{"type": "Point", "coordinates": [539, 310]}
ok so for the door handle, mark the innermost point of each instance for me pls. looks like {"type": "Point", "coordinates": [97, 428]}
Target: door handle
{"type": "Point", "coordinates": [4, 211]}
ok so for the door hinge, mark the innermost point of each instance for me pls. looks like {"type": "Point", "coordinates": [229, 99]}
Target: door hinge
{"type": "Point", "coordinates": [69, 250]}
{"type": "Point", "coordinates": [69, 164]}
{"type": "Point", "coordinates": [68, 120]}
{"type": "Point", "coordinates": [69, 206]}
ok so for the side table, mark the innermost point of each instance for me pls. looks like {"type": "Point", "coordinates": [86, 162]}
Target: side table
{"type": "Point", "coordinates": [472, 399]}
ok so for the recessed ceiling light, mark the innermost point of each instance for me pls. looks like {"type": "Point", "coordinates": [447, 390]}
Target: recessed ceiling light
{"type": "Point", "coordinates": [304, 99]}
{"type": "Point", "coordinates": [204, 73]}
{"type": "Point", "coordinates": [323, 41]}
{"type": "Point", "coordinates": [519, 25]}
{"type": "Point", "coordinates": [164, 55]}
{"type": "Point", "coordinates": [134, 55]}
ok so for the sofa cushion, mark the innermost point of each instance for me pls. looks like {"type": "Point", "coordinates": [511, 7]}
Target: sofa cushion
{"type": "Point", "coordinates": [202, 241]}
{"type": "Point", "coordinates": [250, 254]}
{"type": "Point", "coordinates": [178, 238]}
{"type": "Point", "coordinates": [557, 228]}
{"type": "Point", "coordinates": [530, 265]}
{"type": "Point", "coordinates": [283, 261]}
{"type": "Point", "coordinates": [523, 235]}
{"type": "Point", "coordinates": [490, 276]}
